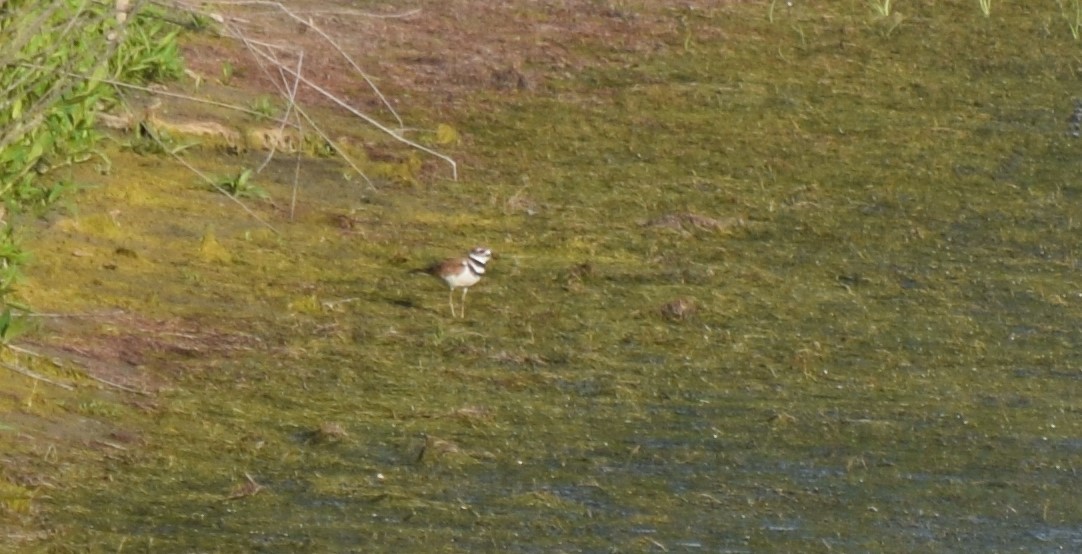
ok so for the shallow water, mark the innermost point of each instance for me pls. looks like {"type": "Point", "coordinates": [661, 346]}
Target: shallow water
{"type": "Point", "coordinates": [882, 354]}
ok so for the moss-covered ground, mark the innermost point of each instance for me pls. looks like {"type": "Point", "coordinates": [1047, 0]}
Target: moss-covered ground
{"type": "Point", "coordinates": [801, 285]}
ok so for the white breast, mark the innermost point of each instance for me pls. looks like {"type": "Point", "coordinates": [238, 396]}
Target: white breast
{"type": "Point", "coordinates": [462, 278]}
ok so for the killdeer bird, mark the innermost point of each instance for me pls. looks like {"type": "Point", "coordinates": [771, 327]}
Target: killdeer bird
{"type": "Point", "coordinates": [461, 273]}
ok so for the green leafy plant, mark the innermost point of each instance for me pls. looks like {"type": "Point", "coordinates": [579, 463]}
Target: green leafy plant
{"type": "Point", "coordinates": [13, 326]}
{"type": "Point", "coordinates": [149, 53]}
{"type": "Point", "coordinates": [58, 59]}
{"type": "Point", "coordinates": [54, 93]}
{"type": "Point", "coordinates": [240, 186]}
{"type": "Point", "coordinates": [43, 195]}
{"type": "Point", "coordinates": [12, 257]}
{"type": "Point", "coordinates": [263, 106]}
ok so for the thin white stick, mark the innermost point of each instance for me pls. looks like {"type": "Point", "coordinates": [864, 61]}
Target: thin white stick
{"type": "Point", "coordinates": [334, 146]}
{"type": "Point", "coordinates": [371, 121]}
{"type": "Point", "coordinates": [291, 96]}
{"type": "Point", "coordinates": [308, 23]}
{"type": "Point", "coordinates": [254, 48]}
{"type": "Point", "coordinates": [86, 372]}
{"type": "Point", "coordinates": [401, 15]}
{"type": "Point", "coordinates": [211, 182]}
{"type": "Point", "coordinates": [159, 92]}
{"type": "Point", "coordinates": [296, 182]}
{"type": "Point", "coordinates": [219, 188]}
{"type": "Point", "coordinates": [36, 376]}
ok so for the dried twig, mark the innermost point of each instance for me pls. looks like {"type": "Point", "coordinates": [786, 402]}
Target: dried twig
{"type": "Point", "coordinates": [109, 313]}
{"type": "Point", "coordinates": [256, 49]}
{"type": "Point", "coordinates": [291, 96]}
{"type": "Point", "coordinates": [250, 488]}
{"type": "Point", "coordinates": [373, 122]}
{"type": "Point", "coordinates": [372, 85]}
{"type": "Point", "coordinates": [36, 376]}
{"type": "Point", "coordinates": [85, 372]}
{"type": "Point", "coordinates": [264, 52]}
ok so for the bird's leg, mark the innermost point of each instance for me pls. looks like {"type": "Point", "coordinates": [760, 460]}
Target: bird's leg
{"type": "Point", "coordinates": [451, 301]}
{"type": "Point", "coordinates": [464, 291]}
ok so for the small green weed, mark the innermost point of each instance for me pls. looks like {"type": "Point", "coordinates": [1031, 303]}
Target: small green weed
{"type": "Point", "coordinates": [262, 106]}
{"type": "Point", "coordinates": [227, 72]}
{"type": "Point", "coordinates": [240, 186]}
{"type": "Point", "coordinates": [12, 326]}
{"type": "Point", "coordinates": [12, 257]}
{"type": "Point", "coordinates": [44, 195]}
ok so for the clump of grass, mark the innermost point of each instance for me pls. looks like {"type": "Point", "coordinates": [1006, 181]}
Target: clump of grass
{"type": "Point", "coordinates": [227, 72]}
{"type": "Point", "coordinates": [150, 52]}
{"type": "Point", "coordinates": [262, 106]}
{"type": "Point", "coordinates": [770, 10]}
{"type": "Point", "coordinates": [1071, 10]}
{"type": "Point", "coordinates": [15, 499]}
{"type": "Point", "coordinates": [880, 7]}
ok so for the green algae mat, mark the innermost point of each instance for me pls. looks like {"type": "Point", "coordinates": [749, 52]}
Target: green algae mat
{"type": "Point", "coordinates": [769, 279]}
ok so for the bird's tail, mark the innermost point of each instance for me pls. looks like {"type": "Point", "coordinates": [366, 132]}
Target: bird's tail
{"type": "Point", "coordinates": [429, 269]}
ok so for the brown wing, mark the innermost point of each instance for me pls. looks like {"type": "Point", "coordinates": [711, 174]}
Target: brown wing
{"type": "Point", "coordinates": [445, 267]}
